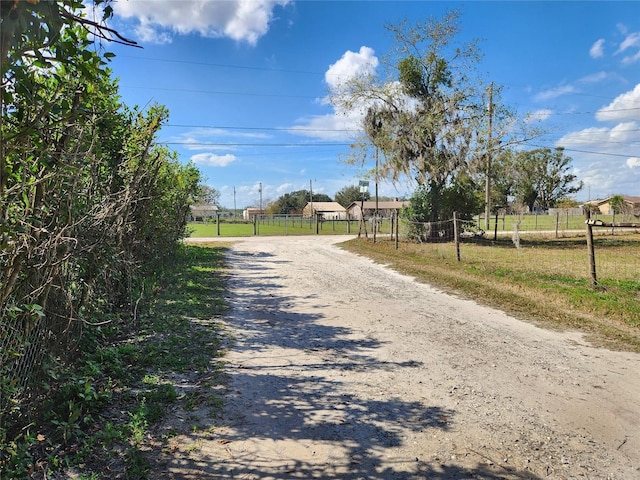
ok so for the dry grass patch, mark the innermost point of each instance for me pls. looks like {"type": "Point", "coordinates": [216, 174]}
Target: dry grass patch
{"type": "Point", "coordinates": [545, 281]}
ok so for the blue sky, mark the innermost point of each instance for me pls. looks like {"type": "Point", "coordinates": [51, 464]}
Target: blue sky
{"type": "Point", "coordinates": [239, 77]}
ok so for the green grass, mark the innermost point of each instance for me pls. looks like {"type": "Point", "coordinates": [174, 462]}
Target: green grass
{"type": "Point", "coordinates": [280, 226]}
{"type": "Point", "coordinates": [98, 420]}
{"type": "Point", "coordinates": [543, 222]}
{"type": "Point", "coordinates": [546, 281]}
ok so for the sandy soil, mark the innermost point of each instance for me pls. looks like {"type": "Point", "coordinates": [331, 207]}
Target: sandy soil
{"type": "Point", "coordinates": [344, 369]}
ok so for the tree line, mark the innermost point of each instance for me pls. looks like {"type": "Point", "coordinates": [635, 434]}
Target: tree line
{"type": "Point", "coordinates": [294, 202]}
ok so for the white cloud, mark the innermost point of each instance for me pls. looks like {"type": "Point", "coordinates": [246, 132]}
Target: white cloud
{"type": "Point", "coordinates": [539, 115]}
{"type": "Point", "coordinates": [633, 162]}
{"type": "Point", "coordinates": [601, 157]}
{"type": "Point", "coordinates": [597, 49]}
{"type": "Point", "coordinates": [331, 127]}
{"type": "Point", "coordinates": [241, 20]}
{"type": "Point", "coordinates": [595, 77]}
{"type": "Point", "coordinates": [350, 65]}
{"type": "Point", "coordinates": [215, 138]}
{"type": "Point", "coordinates": [284, 188]}
{"type": "Point", "coordinates": [555, 92]}
{"type": "Point", "coordinates": [623, 107]}
{"type": "Point", "coordinates": [631, 42]}
{"type": "Point", "coordinates": [607, 140]}
{"type": "Point", "coordinates": [339, 126]}
{"type": "Point", "coordinates": [213, 160]}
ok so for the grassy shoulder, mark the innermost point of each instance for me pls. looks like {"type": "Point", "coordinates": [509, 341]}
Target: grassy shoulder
{"type": "Point", "coordinates": [104, 418]}
{"type": "Point", "coordinates": [544, 281]}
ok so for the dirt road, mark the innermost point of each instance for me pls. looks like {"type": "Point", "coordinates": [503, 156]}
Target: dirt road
{"type": "Point", "coordinates": [343, 369]}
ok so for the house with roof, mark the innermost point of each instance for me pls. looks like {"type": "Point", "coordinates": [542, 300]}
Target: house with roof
{"type": "Point", "coordinates": [327, 210]}
{"type": "Point", "coordinates": [630, 205]}
{"type": "Point", "coordinates": [250, 213]}
{"type": "Point", "coordinates": [202, 212]}
{"type": "Point", "coordinates": [386, 209]}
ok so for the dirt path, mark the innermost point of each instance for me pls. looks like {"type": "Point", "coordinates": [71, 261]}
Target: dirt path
{"type": "Point", "coordinates": [344, 369]}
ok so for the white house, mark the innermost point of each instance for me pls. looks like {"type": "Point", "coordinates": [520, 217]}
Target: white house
{"type": "Point", "coordinates": [203, 211]}
{"type": "Point", "coordinates": [251, 212]}
{"type": "Point", "coordinates": [386, 209]}
{"type": "Point", "coordinates": [328, 210]}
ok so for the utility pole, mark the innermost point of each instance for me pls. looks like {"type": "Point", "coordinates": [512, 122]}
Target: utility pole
{"type": "Point", "coordinates": [235, 212]}
{"type": "Point", "coordinates": [260, 191]}
{"type": "Point", "coordinates": [487, 184]}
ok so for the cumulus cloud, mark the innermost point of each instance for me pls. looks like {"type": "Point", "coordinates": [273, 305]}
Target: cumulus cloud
{"type": "Point", "coordinates": [350, 65]}
{"type": "Point", "coordinates": [597, 49]}
{"type": "Point", "coordinates": [213, 160]}
{"type": "Point", "coordinates": [339, 125]}
{"type": "Point", "coordinates": [624, 107]}
{"type": "Point", "coordinates": [240, 20]}
{"type": "Point", "coordinates": [607, 140]}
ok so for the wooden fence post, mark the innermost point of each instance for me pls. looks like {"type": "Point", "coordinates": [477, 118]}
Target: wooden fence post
{"type": "Point", "coordinates": [397, 227]}
{"type": "Point", "coordinates": [592, 255]}
{"type": "Point", "coordinates": [456, 234]}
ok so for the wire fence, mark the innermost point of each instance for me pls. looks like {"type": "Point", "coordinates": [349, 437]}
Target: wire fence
{"type": "Point", "coordinates": [564, 248]}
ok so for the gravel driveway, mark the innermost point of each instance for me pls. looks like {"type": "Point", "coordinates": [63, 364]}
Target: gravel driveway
{"type": "Point", "coordinates": [344, 369]}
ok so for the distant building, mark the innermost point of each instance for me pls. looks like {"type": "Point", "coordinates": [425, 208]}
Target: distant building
{"type": "Point", "coordinates": [328, 210]}
{"type": "Point", "coordinates": [631, 205]}
{"type": "Point", "coordinates": [202, 211]}
{"type": "Point", "coordinates": [386, 209]}
{"type": "Point", "coordinates": [250, 213]}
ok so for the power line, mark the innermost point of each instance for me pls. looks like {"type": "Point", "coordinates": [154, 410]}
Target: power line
{"type": "Point", "coordinates": [214, 144]}
{"type": "Point", "coordinates": [277, 129]}
{"type": "Point", "coordinates": [222, 65]}
{"type": "Point", "coordinates": [220, 92]}
{"type": "Point", "coordinates": [585, 151]}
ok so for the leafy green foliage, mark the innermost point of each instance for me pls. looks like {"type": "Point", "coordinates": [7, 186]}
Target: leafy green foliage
{"type": "Point", "coordinates": [542, 178]}
{"type": "Point", "coordinates": [349, 194]}
{"type": "Point", "coordinates": [428, 204]}
{"type": "Point", "coordinates": [90, 209]}
{"type": "Point", "coordinates": [98, 413]}
{"type": "Point", "coordinates": [294, 202]}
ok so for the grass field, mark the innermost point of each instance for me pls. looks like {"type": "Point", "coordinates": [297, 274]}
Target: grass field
{"type": "Point", "coordinates": [281, 226]}
{"type": "Point", "coordinates": [546, 280]}
{"type": "Point", "coordinates": [296, 225]}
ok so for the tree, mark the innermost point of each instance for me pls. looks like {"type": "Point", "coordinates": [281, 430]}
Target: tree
{"type": "Point", "coordinates": [462, 196]}
{"type": "Point", "coordinates": [37, 35]}
{"type": "Point", "coordinates": [617, 205]}
{"type": "Point", "coordinates": [349, 194]}
{"type": "Point", "coordinates": [207, 194]}
{"type": "Point", "coordinates": [294, 202]}
{"type": "Point", "coordinates": [542, 178]}
{"type": "Point", "coordinates": [426, 117]}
